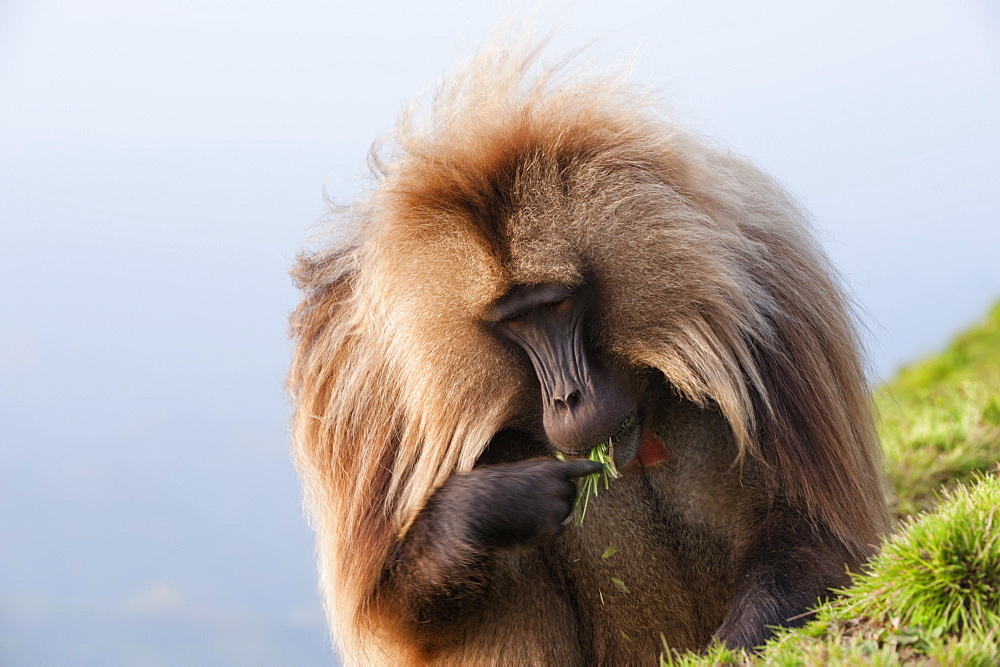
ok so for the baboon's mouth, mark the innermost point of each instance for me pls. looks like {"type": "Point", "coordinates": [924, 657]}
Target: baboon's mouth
{"type": "Point", "coordinates": [625, 442]}
{"type": "Point", "coordinates": [625, 429]}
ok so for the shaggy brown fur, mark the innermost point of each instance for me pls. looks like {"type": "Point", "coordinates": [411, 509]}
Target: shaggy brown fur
{"type": "Point", "coordinates": [711, 289]}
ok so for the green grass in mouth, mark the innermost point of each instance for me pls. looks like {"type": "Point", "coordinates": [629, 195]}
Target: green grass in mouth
{"type": "Point", "coordinates": [589, 485]}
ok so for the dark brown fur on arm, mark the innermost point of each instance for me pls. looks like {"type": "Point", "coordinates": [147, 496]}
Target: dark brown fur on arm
{"type": "Point", "coordinates": [786, 564]}
{"type": "Point", "coordinates": [440, 572]}
{"type": "Point", "coordinates": [806, 529]}
{"type": "Point", "coordinates": [436, 578]}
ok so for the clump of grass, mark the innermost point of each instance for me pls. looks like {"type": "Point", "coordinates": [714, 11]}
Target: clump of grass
{"type": "Point", "coordinates": [589, 485]}
{"type": "Point", "coordinates": [942, 572]}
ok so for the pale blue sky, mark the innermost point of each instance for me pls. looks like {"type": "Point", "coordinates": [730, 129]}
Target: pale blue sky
{"type": "Point", "coordinates": [160, 163]}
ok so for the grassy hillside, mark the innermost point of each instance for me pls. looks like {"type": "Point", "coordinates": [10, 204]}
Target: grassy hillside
{"type": "Point", "coordinates": [933, 594]}
{"type": "Point", "coordinates": [941, 417]}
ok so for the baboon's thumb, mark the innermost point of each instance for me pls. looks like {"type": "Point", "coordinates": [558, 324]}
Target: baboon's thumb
{"type": "Point", "coordinates": [580, 467]}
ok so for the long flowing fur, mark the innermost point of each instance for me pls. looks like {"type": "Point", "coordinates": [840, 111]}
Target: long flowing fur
{"type": "Point", "coordinates": [520, 173]}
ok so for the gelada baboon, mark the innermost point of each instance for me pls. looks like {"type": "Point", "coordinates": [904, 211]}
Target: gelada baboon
{"type": "Point", "coordinates": [544, 262]}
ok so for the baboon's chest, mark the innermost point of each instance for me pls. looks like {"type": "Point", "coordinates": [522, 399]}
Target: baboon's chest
{"type": "Point", "coordinates": [637, 569]}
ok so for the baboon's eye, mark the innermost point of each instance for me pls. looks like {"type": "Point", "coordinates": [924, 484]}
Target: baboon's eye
{"type": "Point", "coordinates": [563, 306]}
{"type": "Point", "coordinates": [514, 323]}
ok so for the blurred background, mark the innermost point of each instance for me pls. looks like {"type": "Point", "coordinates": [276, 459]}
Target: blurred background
{"type": "Point", "coordinates": [161, 163]}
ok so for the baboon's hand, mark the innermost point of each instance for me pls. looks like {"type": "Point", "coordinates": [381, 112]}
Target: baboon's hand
{"type": "Point", "coordinates": [512, 503]}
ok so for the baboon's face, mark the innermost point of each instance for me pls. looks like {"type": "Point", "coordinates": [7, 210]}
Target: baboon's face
{"type": "Point", "coordinates": [585, 398]}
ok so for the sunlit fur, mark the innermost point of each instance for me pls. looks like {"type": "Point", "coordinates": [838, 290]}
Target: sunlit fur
{"type": "Point", "coordinates": [519, 173]}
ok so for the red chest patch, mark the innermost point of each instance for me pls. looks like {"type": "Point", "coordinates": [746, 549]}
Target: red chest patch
{"type": "Point", "coordinates": [652, 451]}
